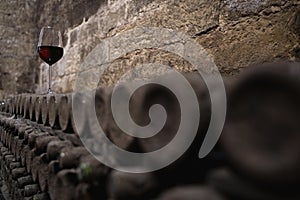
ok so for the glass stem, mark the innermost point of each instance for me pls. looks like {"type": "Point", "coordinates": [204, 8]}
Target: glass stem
{"type": "Point", "coordinates": [50, 91]}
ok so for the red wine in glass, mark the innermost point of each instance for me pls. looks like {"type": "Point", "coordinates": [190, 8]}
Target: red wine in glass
{"type": "Point", "coordinates": [50, 54]}
{"type": "Point", "coordinates": [50, 49]}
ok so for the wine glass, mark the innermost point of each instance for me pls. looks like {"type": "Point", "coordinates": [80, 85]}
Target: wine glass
{"type": "Point", "coordinates": [50, 49]}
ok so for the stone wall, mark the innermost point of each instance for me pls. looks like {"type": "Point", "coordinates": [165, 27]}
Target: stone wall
{"type": "Point", "coordinates": [18, 67]}
{"type": "Point", "coordinates": [237, 34]}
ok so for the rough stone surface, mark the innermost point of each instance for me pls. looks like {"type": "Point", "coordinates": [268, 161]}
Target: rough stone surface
{"type": "Point", "coordinates": [17, 51]}
{"type": "Point", "coordinates": [249, 34]}
{"type": "Point", "coordinates": [236, 33]}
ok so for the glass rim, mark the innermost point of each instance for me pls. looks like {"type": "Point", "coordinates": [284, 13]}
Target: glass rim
{"type": "Point", "coordinates": [51, 29]}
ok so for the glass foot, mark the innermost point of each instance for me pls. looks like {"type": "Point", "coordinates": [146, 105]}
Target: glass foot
{"type": "Point", "coordinates": [50, 91]}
